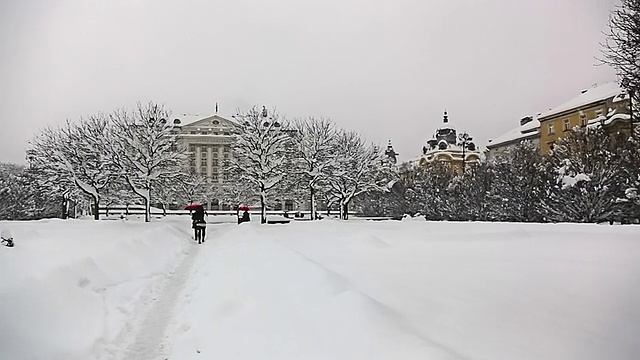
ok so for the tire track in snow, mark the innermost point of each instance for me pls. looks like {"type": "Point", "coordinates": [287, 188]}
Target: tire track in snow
{"type": "Point", "coordinates": [149, 343]}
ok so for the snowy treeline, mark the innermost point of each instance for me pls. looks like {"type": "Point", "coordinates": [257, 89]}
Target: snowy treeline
{"type": "Point", "coordinates": [303, 160]}
{"type": "Point", "coordinates": [590, 176]}
{"type": "Point", "coordinates": [135, 158]}
{"type": "Point", "coordinates": [108, 158]}
{"type": "Point", "coordinates": [20, 199]}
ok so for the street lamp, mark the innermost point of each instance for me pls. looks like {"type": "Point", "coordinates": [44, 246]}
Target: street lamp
{"type": "Point", "coordinates": [465, 140]}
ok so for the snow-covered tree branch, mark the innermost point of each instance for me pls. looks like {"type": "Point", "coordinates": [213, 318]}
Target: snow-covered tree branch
{"type": "Point", "coordinates": [356, 168]}
{"type": "Point", "coordinates": [313, 144]}
{"type": "Point", "coordinates": [146, 152]}
{"type": "Point", "coordinates": [261, 151]}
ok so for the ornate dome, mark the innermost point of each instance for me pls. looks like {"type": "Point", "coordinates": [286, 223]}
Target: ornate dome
{"type": "Point", "coordinates": [447, 144]}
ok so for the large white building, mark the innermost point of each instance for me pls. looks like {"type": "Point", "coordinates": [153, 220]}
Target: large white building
{"type": "Point", "coordinates": [208, 140]}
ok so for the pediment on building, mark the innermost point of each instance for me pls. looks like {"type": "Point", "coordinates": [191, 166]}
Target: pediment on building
{"type": "Point", "coordinates": [204, 122]}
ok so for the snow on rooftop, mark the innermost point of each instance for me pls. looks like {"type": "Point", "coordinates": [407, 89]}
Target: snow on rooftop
{"type": "Point", "coordinates": [588, 96]}
{"type": "Point", "coordinates": [520, 132]}
{"type": "Point", "coordinates": [187, 119]}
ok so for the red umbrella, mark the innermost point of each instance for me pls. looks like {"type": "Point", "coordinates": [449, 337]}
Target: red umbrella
{"type": "Point", "coordinates": [243, 208]}
{"type": "Point", "coordinates": [193, 207]}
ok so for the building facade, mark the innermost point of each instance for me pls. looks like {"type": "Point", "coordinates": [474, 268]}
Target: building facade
{"type": "Point", "coordinates": [606, 105]}
{"type": "Point", "coordinates": [208, 141]}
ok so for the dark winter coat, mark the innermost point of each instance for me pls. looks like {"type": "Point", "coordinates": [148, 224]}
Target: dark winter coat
{"type": "Point", "coordinates": [197, 217]}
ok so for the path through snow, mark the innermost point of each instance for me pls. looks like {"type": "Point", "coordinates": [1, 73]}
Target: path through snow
{"type": "Point", "coordinates": [150, 342]}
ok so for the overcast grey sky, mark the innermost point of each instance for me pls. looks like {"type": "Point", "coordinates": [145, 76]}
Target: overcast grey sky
{"type": "Point", "coordinates": [384, 68]}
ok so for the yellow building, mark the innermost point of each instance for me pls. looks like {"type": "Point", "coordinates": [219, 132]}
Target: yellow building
{"type": "Point", "coordinates": [605, 105]}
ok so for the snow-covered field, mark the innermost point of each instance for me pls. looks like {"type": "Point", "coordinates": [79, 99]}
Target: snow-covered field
{"type": "Point", "coordinates": [325, 290]}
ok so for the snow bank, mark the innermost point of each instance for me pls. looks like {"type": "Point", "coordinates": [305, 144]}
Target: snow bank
{"type": "Point", "coordinates": [413, 290]}
{"type": "Point", "coordinates": [69, 288]}
{"type": "Point", "coordinates": [329, 289]}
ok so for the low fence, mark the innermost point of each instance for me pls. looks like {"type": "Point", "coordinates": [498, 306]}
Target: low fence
{"type": "Point", "coordinates": [124, 211]}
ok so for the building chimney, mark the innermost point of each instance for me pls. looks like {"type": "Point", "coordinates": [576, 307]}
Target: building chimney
{"type": "Point", "coordinates": [526, 120]}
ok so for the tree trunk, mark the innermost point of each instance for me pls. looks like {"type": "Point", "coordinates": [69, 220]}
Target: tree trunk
{"type": "Point", "coordinates": [96, 208]}
{"type": "Point", "coordinates": [147, 210]}
{"type": "Point", "coordinates": [65, 207]}
{"type": "Point", "coordinates": [164, 209]}
{"type": "Point", "coordinates": [263, 208]}
{"type": "Point", "coordinates": [313, 203]}
{"type": "Point", "coordinates": [345, 211]}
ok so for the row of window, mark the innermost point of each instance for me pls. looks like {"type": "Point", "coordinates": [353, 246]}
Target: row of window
{"type": "Point", "coordinates": [214, 175]}
{"type": "Point", "coordinates": [214, 148]}
{"type": "Point", "coordinates": [203, 168]}
{"type": "Point", "coordinates": [203, 157]}
{"type": "Point", "coordinates": [203, 162]}
{"type": "Point", "coordinates": [210, 133]}
{"type": "Point", "coordinates": [566, 123]}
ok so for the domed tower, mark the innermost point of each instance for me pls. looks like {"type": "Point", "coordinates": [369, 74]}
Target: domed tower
{"type": "Point", "coordinates": [391, 153]}
{"type": "Point", "coordinates": [450, 146]}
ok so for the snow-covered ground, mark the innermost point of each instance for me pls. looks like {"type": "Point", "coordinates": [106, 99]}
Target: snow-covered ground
{"type": "Point", "coordinates": [323, 290]}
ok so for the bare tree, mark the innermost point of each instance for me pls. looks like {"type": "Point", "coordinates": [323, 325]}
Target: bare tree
{"type": "Point", "coordinates": [313, 144]}
{"type": "Point", "coordinates": [356, 168]}
{"type": "Point", "coordinates": [261, 151]}
{"type": "Point", "coordinates": [146, 151]}
{"type": "Point", "coordinates": [192, 188]}
{"type": "Point", "coordinates": [87, 158]}
{"type": "Point", "coordinates": [235, 191]}
{"type": "Point", "coordinates": [45, 164]}
{"type": "Point", "coordinates": [621, 48]}
{"type": "Point", "coordinates": [76, 153]}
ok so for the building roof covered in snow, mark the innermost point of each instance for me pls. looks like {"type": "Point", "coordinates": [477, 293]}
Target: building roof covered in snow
{"type": "Point", "coordinates": [529, 128]}
{"type": "Point", "coordinates": [197, 120]}
{"type": "Point", "coordinates": [586, 97]}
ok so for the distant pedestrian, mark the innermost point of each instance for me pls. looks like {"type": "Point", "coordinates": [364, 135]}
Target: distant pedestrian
{"type": "Point", "coordinates": [245, 216]}
{"type": "Point", "coordinates": [199, 224]}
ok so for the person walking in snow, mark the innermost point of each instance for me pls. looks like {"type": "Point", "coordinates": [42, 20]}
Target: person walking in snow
{"type": "Point", "coordinates": [199, 224]}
